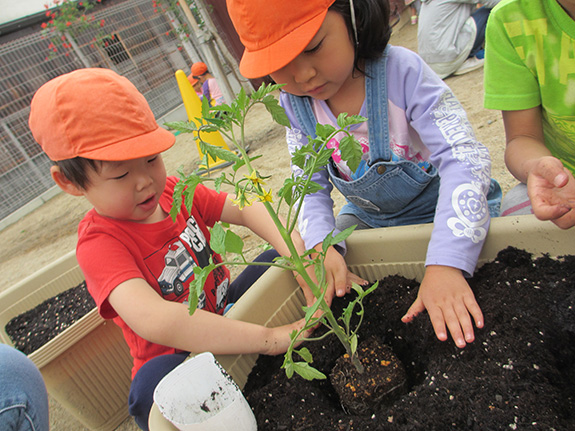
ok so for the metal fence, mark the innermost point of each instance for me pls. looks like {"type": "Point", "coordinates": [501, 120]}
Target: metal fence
{"type": "Point", "coordinates": [142, 45]}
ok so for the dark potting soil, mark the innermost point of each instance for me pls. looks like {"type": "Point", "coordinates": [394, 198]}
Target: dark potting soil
{"type": "Point", "coordinates": [519, 373]}
{"type": "Point", "coordinates": [34, 328]}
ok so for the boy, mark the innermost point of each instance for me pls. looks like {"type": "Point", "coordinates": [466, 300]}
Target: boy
{"type": "Point", "coordinates": [106, 146]}
{"type": "Point", "coordinates": [529, 76]}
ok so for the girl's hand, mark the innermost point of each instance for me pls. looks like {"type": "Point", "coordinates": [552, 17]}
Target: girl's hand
{"type": "Point", "coordinates": [339, 278]}
{"type": "Point", "coordinates": [450, 303]}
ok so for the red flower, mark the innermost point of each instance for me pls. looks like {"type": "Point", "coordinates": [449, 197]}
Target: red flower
{"type": "Point", "coordinates": [48, 13]}
{"type": "Point", "coordinates": [68, 23]}
{"type": "Point", "coordinates": [102, 23]}
{"type": "Point", "coordinates": [44, 25]}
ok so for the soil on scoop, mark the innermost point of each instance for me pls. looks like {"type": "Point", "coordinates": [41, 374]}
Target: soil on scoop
{"type": "Point", "coordinates": [519, 373]}
{"type": "Point", "coordinates": [34, 328]}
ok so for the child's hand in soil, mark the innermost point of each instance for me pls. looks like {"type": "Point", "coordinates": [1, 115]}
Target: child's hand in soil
{"type": "Point", "coordinates": [277, 340]}
{"type": "Point", "coordinates": [551, 189]}
{"type": "Point", "coordinates": [449, 301]}
{"type": "Point", "coordinates": [339, 278]}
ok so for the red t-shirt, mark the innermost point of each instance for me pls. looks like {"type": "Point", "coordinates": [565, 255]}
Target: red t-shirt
{"type": "Point", "coordinates": [112, 251]}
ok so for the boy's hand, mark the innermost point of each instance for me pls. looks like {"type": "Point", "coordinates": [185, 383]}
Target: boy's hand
{"type": "Point", "coordinates": [278, 339]}
{"type": "Point", "coordinates": [449, 301]}
{"type": "Point", "coordinates": [551, 189]}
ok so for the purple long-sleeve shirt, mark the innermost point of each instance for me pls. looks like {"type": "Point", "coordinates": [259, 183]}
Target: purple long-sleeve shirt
{"type": "Point", "coordinates": [426, 123]}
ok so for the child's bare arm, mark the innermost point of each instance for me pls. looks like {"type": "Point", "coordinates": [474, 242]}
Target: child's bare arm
{"type": "Point", "coordinates": [256, 218]}
{"type": "Point", "coordinates": [450, 303]}
{"type": "Point", "coordinates": [170, 324]}
{"type": "Point", "coordinates": [525, 143]}
{"type": "Point", "coordinates": [551, 186]}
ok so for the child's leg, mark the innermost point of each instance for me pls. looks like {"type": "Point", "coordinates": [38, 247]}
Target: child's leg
{"type": "Point", "coordinates": [249, 276]}
{"type": "Point", "coordinates": [480, 17]}
{"type": "Point", "coordinates": [343, 221]}
{"type": "Point", "coordinates": [147, 378]}
{"type": "Point", "coordinates": [24, 400]}
{"type": "Point", "coordinates": [516, 201]}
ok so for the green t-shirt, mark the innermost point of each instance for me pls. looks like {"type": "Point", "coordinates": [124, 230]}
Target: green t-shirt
{"type": "Point", "coordinates": [530, 61]}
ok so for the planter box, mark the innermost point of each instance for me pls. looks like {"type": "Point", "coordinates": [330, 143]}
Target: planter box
{"type": "Point", "coordinates": [87, 368]}
{"type": "Point", "coordinates": [374, 254]}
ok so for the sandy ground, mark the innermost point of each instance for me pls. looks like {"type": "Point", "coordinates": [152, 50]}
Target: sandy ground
{"type": "Point", "coordinates": [44, 235]}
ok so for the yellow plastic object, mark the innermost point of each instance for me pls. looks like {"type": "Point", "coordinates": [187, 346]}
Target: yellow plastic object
{"type": "Point", "coordinates": [87, 368]}
{"type": "Point", "coordinates": [193, 106]}
{"type": "Point", "coordinates": [275, 299]}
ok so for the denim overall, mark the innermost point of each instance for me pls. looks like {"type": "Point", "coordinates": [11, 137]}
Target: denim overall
{"type": "Point", "coordinates": [390, 193]}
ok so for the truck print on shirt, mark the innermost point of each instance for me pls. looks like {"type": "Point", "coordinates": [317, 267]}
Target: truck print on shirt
{"type": "Point", "coordinates": [179, 267]}
{"type": "Point", "coordinates": [173, 266]}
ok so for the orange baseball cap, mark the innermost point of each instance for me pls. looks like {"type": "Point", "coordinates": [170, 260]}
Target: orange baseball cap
{"type": "Point", "coordinates": [96, 114]}
{"type": "Point", "coordinates": [274, 32]}
{"type": "Point", "coordinates": [199, 68]}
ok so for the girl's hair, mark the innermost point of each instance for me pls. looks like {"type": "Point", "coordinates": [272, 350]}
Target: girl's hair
{"type": "Point", "coordinates": [372, 25]}
{"type": "Point", "coordinates": [76, 170]}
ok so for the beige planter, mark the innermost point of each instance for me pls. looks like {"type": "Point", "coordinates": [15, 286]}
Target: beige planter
{"type": "Point", "coordinates": [87, 368]}
{"type": "Point", "coordinates": [374, 254]}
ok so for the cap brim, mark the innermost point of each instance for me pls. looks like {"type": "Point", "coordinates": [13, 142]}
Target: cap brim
{"type": "Point", "coordinates": [255, 64]}
{"type": "Point", "coordinates": [154, 142]}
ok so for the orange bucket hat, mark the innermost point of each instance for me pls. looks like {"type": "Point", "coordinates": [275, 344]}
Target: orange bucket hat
{"type": "Point", "coordinates": [96, 114]}
{"type": "Point", "coordinates": [274, 32]}
{"type": "Point", "coordinates": [199, 68]}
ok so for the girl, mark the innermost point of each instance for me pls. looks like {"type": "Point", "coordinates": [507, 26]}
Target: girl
{"type": "Point", "coordinates": [421, 160]}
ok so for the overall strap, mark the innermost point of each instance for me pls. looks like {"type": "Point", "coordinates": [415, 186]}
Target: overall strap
{"type": "Point", "coordinates": [376, 95]}
{"type": "Point", "coordinates": [376, 99]}
{"type": "Point", "coordinates": [303, 114]}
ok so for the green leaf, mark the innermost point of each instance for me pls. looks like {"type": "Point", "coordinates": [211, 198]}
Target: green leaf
{"type": "Point", "coordinates": [342, 236]}
{"type": "Point", "coordinates": [219, 181]}
{"type": "Point", "coordinates": [310, 311]}
{"type": "Point", "coordinates": [353, 344]}
{"type": "Point", "coordinates": [197, 285]}
{"type": "Point", "coordinates": [344, 120]}
{"type": "Point", "coordinates": [301, 154]}
{"type": "Point", "coordinates": [306, 371]}
{"type": "Point", "coordinates": [182, 126]}
{"type": "Point", "coordinates": [242, 100]}
{"type": "Point", "coordinates": [217, 152]}
{"type": "Point", "coordinates": [277, 112]}
{"type": "Point", "coordinates": [177, 199]}
{"type": "Point", "coordinates": [286, 191]}
{"type": "Point", "coordinates": [234, 244]}
{"type": "Point", "coordinates": [305, 354]}
{"type": "Point", "coordinates": [218, 239]}
{"type": "Point", "coordinates": [324, 131]}
{"type": "Point", "coordinates": [289, 369]}
{"type": "Point", "coordinates": [312, 187]}
{"type": "Point", "coordinates": [351, 151]}
{"type": "Point", "coordinates": [323, 158]}
{"type": "Point", "coordinates": [191, 182]}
